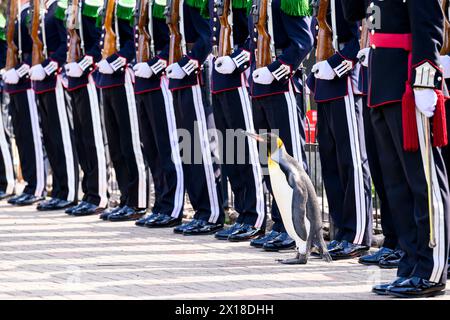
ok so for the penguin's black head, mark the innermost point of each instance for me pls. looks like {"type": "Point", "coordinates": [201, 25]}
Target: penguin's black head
{"type": "Point", "coordinates": [269, 139]}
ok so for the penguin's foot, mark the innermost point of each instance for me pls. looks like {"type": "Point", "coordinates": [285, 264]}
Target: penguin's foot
{"type": "Point", "coordinates": [299, 259]}
{"type": "Point", "coordinates": [326, 257]}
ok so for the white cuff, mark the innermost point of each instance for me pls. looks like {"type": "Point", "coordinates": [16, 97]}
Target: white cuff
{"type": "Point", "coordinates": [51, 68]}
{"type": "Point", "coordinates": [282, 72]}
{"type": "Point", "coordinates": [190, 66]}
{"type": "Point", "coordinates": [158, 66]}
{"type": "Point", "coordinates": [425, 75]}
{"type": "Point", "coordinates": [343, 68]}
{"type": "Point", "coordinates": [241, 58]}
{"type": "Point", "coordinates": [118, 63]}
{"type": "Point", "coordinates": [23, 70]}
{"type": "Point", "coordinates": [86, 62]}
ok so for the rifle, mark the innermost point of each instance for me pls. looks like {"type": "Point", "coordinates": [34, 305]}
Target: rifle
{"type": "Point", "coordinates": [74, 49]}
{"type": "Point", "coordinates": [324, 48]}
{"type": "Point", "coordinates": [263, 52]}
{"type": "Point", "coordinates": [446, 43]}
{"type": "Point", "coordinates": [109, 41]}
{"type": "Point", "coordinates": [172, 13]}
{"type": "Point", "coordinates": [11, 51]}
{"type": "Point", "coordinates": [37, 55]}
{"type": "Point", "coordinates": [225, 40]}
{"type": "Point", "coordinates": [142, 20]}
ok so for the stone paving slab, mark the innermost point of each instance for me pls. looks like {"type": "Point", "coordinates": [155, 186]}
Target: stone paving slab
{"type": "Point", "coordinates": [49, 255]}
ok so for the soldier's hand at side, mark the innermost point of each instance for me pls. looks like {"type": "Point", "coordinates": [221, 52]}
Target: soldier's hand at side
{"type": "Point", "coordinates": [73, 70]}
{"type": "Point", "coordinates": [263, 76]}
{"type": "Point", "coordinates": [142, 70]}
{"type": "Point", "coordinates": [363, 57]}
{"type": "Point", "coordinates": [426, 100]}
{"type": "Point", "coordinates": [225, 65]}
{"type": "Point", "coordinates": [104, 67]}
{"type": "Point", "coordinates": [445, 62]}
{"type": "Point", "coordinates": [322, 70]}
{"type": "Point", "coordinates": [37, 73]}
{"type": "Point", "coordinates": [174, 71]}
{"type": "Point", "coordinates": [11, 76]}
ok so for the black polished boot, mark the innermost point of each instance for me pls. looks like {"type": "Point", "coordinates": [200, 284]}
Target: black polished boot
{"type": "Point", "coordinates": [416, 287]}
{"type": "Point", "coordinates": [225, 233]}
{"type": "Point", "coordinates": [245, 233]}
{"type": "Point", "coordinates": [263, 239]}
{"type": "Point", "coordinates": [374, 258]}
{"type": "Point", "coordinates": [281, 242]}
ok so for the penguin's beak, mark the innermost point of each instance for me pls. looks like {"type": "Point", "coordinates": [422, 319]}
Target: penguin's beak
{"type": "Point", "coordinates": [255, 136]}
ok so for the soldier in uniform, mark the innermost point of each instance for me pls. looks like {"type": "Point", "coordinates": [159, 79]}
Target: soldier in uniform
{"type": "Point", "coordinates": [405, 92]}
{"type": "Point", "coordinates": [121, 118]}
{"type": "Point", "coordinates": [273, 94]}
{"type": "Point", "coordinates": [201, 172]}
{"type": "Point", "coordinates": [86, 114]}
{"type": "Point", "coordinates": [341, 141]}
{"type": "Point", "coordinates": [232, 110]}
{"type": "Point", "coordinates": [7, 180]}
{"type": "Point", "coordinates": [158, 127]}
{"type": "Point", "coordinates": [57, 133]}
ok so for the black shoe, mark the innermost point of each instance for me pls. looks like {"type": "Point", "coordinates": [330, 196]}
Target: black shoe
{"type": "Point", "coordinates": [259, 242]}
{"type": "Point", "coordinates": [27, 199]}
{"type": "Point", "coordinates": [381, 289]}
{"type": "Point", "coordinates": [334, 245]}
{"type": "Point", "coordinates": [416, 287]}
{"type": "Point", "coordinates": [374, 258]}
{"type": "Point", "coordinates": [47, 204]}
{"type": "Point", "coordinates": [349, 251]}
{"type": "Point", "coordinates": [202, 228]}
{"type": "Point", "coordinates": [281, 242]}
{"type": "Point", "coordinates": [4, 195]}
{"type": "Point", "coordinates": [142, 221]}
{"type": "Point", "coordinates": [225, 233]}
{"type": "Point", "coordinates": [245, 233]}
{"type": "Point", "coordinates": [127, 214]}
{"type": "Point", "coordinates": [104, 216]}
{"type": "Point", "coordinates": [392, 261]}
{"type": "Point", "coordinates": [164, 221]}
{"type": "Point", "coordinates": [62, 204]}
{"type": "Point", "coordinates": [180, 229]}
{"type": "Point", "coordinates": [72, 209]}
{"type": "Point", "coordinates": [87, 209]}
{"type": "Point", "coordinates": [14, 199]}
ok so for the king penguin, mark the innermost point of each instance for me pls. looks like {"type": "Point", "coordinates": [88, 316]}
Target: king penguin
{"type": "Point", "coordinates": [296, 199]}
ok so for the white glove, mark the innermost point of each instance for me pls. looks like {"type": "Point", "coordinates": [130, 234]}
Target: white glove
{"type": "Point", "coordinates": [142, 70]}
{"type": "Point", "coordinates": [73, 70]}
{"type": "Point", "coordinates": [445, 62]}
{"type": "Point", "coordinates": [225, 65]}
{"type": "Point", "coordinates": [263, 76]}
{"type": "Point", "coordinates": [322, 70]}
{"type": "Point", "coordinates": [364, 54]}
{"type": "Point", "coordinates": [104, 67]}
{"type": "Point", "coordinates": [37, 73]}
{"type": "Point", "coordinates": [174, 71]}
{"type": "Point", "coordinates": [426, 100]}
{"type": "Point", "coordinates": [11, 76]}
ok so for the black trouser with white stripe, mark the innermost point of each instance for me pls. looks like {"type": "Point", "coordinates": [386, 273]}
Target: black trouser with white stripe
{"type": "Point", "coordinates": [122, 128]}
{"type": "Point", "coordinates": [345, 170]}
{"type": "Point", "coordinates": [232, 110]}
{"type": "Point", "coordinates": [279, 113]}
{"type": "Point", "coordinates": [159, 137]}
{"type": "Point", "coordinates": [406, 188]}
{"type": "Point", "coordinates": [201, 172]}
{"type": "Point", "coordinates": [387, 223]}
{"type": "Point", "coordinates": [7, 179]}
{"type": "Point", "coordinates": [27, 132]}
{"type": "Point", "coordinates": [58, 142]}
{"type": "Point", "coordinates": [89, 144]}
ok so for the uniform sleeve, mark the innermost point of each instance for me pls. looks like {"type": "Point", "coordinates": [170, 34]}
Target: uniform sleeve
{"type": "Point", "coordinates": [127, 50]}
{"type": "Point", "coordinates": [60, 53]}
{"type": "Point", "coordinates": [354, 10]}
{"type": "Point", "coordinates": [92, 38]}
{"type": "Point", "coordinates": [301, 44]}
{"type": "Point", "coordinates": [202, 45]}
{"type": "Point", "coordinates": [427, 23]}
{"type": "Point", "coordinates": [2, 53]}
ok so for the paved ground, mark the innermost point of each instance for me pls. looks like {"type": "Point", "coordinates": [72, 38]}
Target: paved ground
{"type": "Point", "coordinates": [54, 256]}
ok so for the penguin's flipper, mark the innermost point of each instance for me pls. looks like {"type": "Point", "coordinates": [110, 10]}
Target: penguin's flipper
{"type": "Point", "coordinates": [299, 199]}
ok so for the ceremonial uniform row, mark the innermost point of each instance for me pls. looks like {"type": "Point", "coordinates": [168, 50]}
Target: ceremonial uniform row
{"type": "Point", "coordinates": [152, 80]}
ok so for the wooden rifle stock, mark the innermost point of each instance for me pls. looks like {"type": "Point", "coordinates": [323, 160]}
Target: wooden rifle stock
{"type": "Point", "coordinates": [37, 55]}
{"type": "Point", "coordinates": [73, 50]}
{"type": "Point", "coordinates": [143, 49]}
{"type": "Point", "coordinates": [11, 51]}
{"type": "Point", "coordinates": [263, 55]}
{"type": "Point", "coordinates": [109, 41]}
{"type": "Point", "coordinates": [172, 20]}
{"type": "Point", "coordinates": [446, 43]}
{"type": "Point", "coordinates": [325, 36]}
{"type": "Point", "coordinates": [223, 13]}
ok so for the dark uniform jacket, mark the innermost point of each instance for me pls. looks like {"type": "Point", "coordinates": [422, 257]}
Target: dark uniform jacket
{"type": "Point", "coordinates": [24, 82]}
{"type": "Point", "coordinates": [91, 37]}
{"type": "Point", "coordinates": [389, 67]}
{"type": "Point", "coordinates": [197, 33]}
{"type": "Point", "coordinates": [348, 40]}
